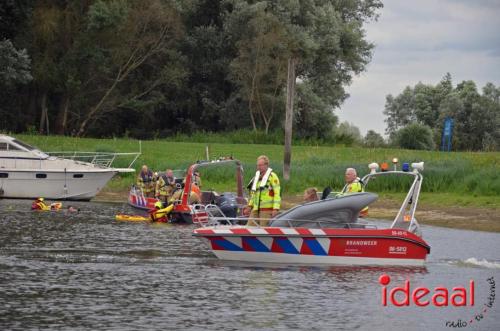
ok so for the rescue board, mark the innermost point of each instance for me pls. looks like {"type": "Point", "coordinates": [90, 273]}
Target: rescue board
{"type": "Point", "coordinates": [131, 218]}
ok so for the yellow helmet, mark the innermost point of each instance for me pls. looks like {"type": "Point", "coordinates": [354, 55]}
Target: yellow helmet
{"type": "Point", "coordinates": [158, 204]}
{"type": "Point", "coordinates": [40, 199]}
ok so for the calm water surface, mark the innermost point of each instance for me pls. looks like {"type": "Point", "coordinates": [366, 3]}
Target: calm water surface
{"type": "Point", "coordinates": [87, 271]}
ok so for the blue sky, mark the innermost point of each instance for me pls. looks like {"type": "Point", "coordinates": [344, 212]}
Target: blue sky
{"type": "Point", "coordinates": [420, 41]}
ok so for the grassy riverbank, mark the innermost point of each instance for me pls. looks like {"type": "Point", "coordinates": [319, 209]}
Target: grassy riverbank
{"type": "Point", "coordinates": [459, 178]}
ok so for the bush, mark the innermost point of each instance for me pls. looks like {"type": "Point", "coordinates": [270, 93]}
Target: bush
{"type": "Point", "coordinates": [415, 136]}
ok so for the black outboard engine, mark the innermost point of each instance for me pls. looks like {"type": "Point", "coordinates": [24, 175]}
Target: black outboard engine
{"type": "Point", "coordinates": [228, 203]}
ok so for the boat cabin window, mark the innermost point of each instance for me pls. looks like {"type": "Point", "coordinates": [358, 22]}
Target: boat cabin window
{"type": "Point", "coordinates": [3, 146]}
{"type": "Point", "coordinates": [12, 148]}
{"type": "Point", "coordinates": [41, 175]}
{"type": "Point", "coordinates": [4, 175]}
{"type": "Point", "coordinates": [78, 176]}
{"type": "Point", "coordinates": [20, 143]}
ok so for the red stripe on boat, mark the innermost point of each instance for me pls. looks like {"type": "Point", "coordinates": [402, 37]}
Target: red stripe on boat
{"type": "Point", "coordinates": [273, 230]}
{"type": "Point", "coordinates": [303, 231]}
{"type": "Point", "coordinates": [241, 231]}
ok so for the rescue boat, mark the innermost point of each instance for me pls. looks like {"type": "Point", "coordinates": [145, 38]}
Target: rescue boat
{"type": "Point", "coordinates": [326, 232]}
{"type": "Point", "coordinates": [184, 210]}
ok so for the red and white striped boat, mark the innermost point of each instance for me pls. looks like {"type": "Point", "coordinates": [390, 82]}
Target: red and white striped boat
{"type": "Point", "coordinates": [326, 232]}
{"type": "Point", "coordinates": [137, 199]}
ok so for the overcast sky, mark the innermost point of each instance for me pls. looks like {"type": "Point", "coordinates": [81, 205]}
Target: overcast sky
{"type": "Point", "coordinates": [422, 41]}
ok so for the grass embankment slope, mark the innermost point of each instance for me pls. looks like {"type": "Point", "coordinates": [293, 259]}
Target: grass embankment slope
{"type": "Point", "coordinates": [459, 189]}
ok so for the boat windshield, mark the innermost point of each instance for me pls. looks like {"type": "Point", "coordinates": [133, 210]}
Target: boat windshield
{"type": "Point", "coordinates": [20, 143]}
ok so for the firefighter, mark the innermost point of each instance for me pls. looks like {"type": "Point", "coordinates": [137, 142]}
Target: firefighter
{"type": "Point", "coordinates": [165, 186]}
{"type": "Point", "coordinates": [265, 199]}
{"type": "Point", "coordinates": [145, 181]}
{"type": "Point", "coordinates": [39, 204]}
{"type": "Point", "coordinates": [160, 214]}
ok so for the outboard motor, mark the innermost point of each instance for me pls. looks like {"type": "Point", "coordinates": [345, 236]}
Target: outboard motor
{"type": "Point", "coordinates": [228, 203]}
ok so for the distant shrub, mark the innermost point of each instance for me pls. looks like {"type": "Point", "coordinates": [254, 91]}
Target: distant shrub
{"type": "Point", "coordinates": [415, 136]}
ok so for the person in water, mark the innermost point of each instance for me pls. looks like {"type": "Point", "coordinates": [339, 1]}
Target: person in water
{"type": "Point", "coordinates": [72, 209]}
{"type": "Point", "coordinates": [160, 214]}
{"type": "Point", "coordinates": [39, 204]}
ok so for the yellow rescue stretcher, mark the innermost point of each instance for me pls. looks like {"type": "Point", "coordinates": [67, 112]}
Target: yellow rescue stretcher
{"type": "Point", "coordinates": [131, 218]}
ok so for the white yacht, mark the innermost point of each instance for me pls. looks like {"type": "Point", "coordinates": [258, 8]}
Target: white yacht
{"type": "Point", "coordinates": [26, 172]}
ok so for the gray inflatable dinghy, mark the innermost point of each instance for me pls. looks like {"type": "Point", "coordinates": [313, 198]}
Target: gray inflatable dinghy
{"type": "Point", "coordinates": [331, 212]}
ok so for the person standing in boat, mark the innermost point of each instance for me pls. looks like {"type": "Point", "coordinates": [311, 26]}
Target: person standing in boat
{"type": "Point", "coordinates": [145, 181]}
{"type": "Point", "coordinates": [265, 197]}
{"type": "Point", "coordinates": [165, 186]}
{"type": "Point", "coordinates": [353, 184]}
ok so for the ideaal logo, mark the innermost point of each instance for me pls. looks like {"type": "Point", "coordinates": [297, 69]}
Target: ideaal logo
{"type": "Point", "coordinates": [439, 297]}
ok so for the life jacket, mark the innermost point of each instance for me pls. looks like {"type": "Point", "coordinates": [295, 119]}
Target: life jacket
{"type": "Point", "coordinates": [160, 215]}
{"type": "Point", "coordinates": [355, 187]}
{"type": "Point", "coordinates": [39, 205]}
{"type": "Point", "coordinates": [265, 192]}
{"type": "Point", "coordinates": [148, 177]}
{"type": "Point", "coordinates": [165, 185]}
{"type": "Point", "coordinates": [145, 181]}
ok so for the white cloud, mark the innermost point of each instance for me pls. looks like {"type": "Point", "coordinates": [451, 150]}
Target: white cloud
{"type": "Point", "coordinates": [422, 41]}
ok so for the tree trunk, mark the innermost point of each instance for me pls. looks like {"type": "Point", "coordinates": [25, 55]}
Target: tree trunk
{"type": "Point", "coordinates": [94, 111]}
{"type": "Point", "coordinates": [290, 92]}
{"type": "Point", "coordinates": [43, 114]}
{"type": "Point", "coordinates": [62, 116]}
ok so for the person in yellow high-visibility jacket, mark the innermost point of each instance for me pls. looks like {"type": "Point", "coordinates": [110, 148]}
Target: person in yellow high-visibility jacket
{"type": "Point", "coordinates": [265, 198]}
{"type": "Point", "coordinates": [146, 182]}
{"type": "Point", "coordinates": [353, 185]}
{"type": "Point", "coordinates": [165, 186]}
{"type": "Point", "coordinates": [160, 214]}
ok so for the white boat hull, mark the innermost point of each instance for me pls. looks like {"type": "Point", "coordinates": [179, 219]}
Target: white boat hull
{"type": "Point", "coordinates": [81, 185]}
{"type": "Point", "coordinates": [311, 259]}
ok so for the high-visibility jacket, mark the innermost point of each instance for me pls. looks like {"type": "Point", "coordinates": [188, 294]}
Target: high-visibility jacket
{"type": "Point", "coordinates": [355, 187]}
{"type": "Point", "coordinates": [267, 197]}
{"type": "Point", "coordinates": [39, 205]}
{"type": "Point", "coordinates": [165, 186]}
{"type": "Point", "coordinates": [161, 215]}
{"type": "Point", "coordinates": [145, 181]}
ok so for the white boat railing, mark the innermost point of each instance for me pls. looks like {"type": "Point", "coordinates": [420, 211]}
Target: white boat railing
{"type": "Point", "coordinates": [101, 159]}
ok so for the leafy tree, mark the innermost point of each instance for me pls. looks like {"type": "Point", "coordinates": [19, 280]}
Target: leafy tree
{"type": "Point", "coordinates": [313, 118]}
{"type": "Point", "coordinates": [373, 139]}
{"type": "Point", "coordinates": [128, 37]}
{"type": "Point", "coordinates": [349, 134]}
{"type": "Point", "coordinates": [14, 65]}
{"type": "Point", "coordinates": [399, 110]}
{"type": "Point", "coordinates": [475, 116]}
{"type": "Point", "coordinates": [415, 136]}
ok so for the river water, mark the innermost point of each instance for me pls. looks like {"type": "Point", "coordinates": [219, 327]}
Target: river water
{"type": "Point", "coordinates": [87, 271]}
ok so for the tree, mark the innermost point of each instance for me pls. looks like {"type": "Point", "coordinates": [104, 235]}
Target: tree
{"type": "Point", "coordinates": [323, 41]}
{"type": "Point", "coordinates": [128, 36]}
{"type": "Point", "coordinates": [400, 111]}
{"type": "Point", "coordinates": [260, 67]}
{"type": "Point", "coordinates": [313, 118]}
{"type": "Point", "coordinates": [415, 136]}
{"type": "Point", "coordinates": [15, 65]}
{"type": "Point", "coordinates": [348, 134]}
{"type": "Point", "coordinates": [373, 139]}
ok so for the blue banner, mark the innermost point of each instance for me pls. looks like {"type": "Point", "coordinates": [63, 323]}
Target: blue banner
{"type": "Point", "coordinates": [447, 136]}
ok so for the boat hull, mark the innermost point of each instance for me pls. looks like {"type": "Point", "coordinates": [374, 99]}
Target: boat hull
{"type": "Point", "coordinates": [316, 246]}
{"type": "Point", "coordinates": [54, 185]}
{"type": "Point", "coordinates": [137, 200]}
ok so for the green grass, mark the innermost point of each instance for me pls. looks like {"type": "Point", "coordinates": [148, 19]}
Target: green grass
{"type": "Point", "coordinates": [460, 177]}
